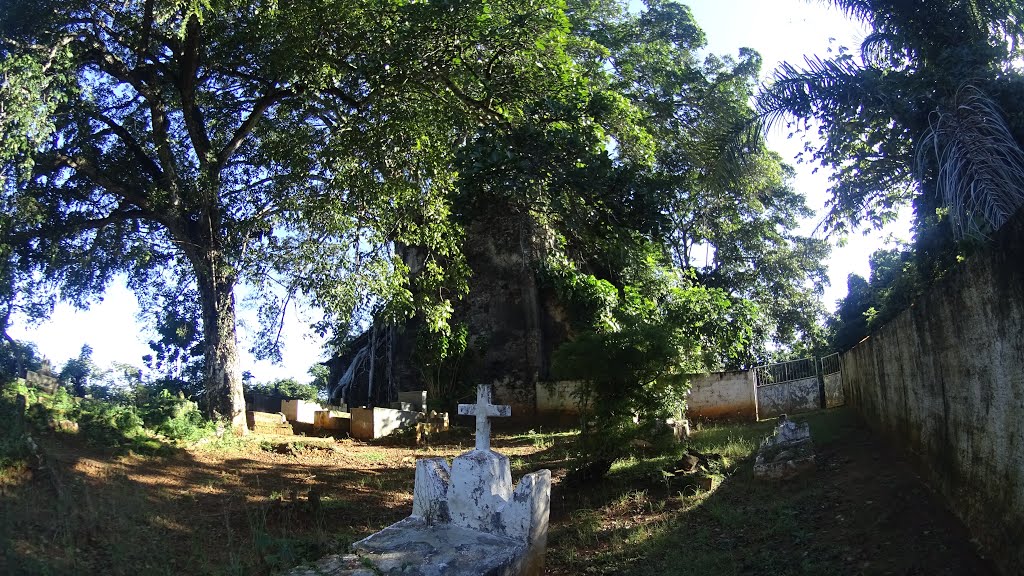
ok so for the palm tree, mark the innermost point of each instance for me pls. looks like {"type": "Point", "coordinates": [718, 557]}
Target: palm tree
{"type": "Point", "coordinates": [929, 111]}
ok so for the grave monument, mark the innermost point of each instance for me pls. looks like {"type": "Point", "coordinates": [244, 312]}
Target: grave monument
{"type": "Point", "coordinates": [467, 520]}
{"type": "Point", "coordinates": [786, 454]}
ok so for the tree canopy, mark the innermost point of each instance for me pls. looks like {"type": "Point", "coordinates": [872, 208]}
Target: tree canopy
{"type": "Point", "coordinates": [927, 108]}
{"type": "Point", "coordinates": [195, 146]}
{"type": "Point", "coordinates": [698, 180]}
{"type": "Point", "coordinates": [669, 228]}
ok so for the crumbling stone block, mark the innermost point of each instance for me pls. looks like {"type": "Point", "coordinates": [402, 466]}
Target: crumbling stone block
{"type": "Point", "coordinates": [788, 453]}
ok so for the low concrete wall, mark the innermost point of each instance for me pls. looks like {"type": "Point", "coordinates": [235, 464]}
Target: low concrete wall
{"type": "Point", "coordinates": [557, 402]}
{"type": "Point", "coordinates": [370, 423]}
{"type": "Point", "coordinates": [944, 382]}
{"type": "Point", "coordinates": [332, 421]}
{"type": "Point", "coordinates": [834, 390]}
{"type": "Point", "coordinates": [791, 397]}
{"type": "Point", "coordinates": [521, 397]}
{"type": "Point", "coordinates": [722, 395]}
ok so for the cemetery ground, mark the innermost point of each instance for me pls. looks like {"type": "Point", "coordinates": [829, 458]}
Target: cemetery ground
{"type": "Point", "coordinates": [265, 504]}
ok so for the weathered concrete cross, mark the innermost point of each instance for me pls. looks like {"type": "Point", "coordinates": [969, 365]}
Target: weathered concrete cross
{"type": "Point", "coordinates": [483, 409]}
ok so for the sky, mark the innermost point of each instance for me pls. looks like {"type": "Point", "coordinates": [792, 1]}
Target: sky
{"type": "Point", "coordinates": [780, 30]}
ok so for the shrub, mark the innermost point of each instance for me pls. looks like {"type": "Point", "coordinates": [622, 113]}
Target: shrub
{"type": "Point", "coordinates": [176, 417]}
{"type": "Point", "coordinates": [107, 425]}
{"type": "Point", "coordinates": [14, 449]}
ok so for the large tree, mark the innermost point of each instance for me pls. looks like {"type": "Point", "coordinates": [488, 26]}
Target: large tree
{"type": "Point", "coordinates": [206, 144]}
{"type": "Point", "coordinates": [666, 228]}
{"type": "Point", "coordinates": [717, 200]}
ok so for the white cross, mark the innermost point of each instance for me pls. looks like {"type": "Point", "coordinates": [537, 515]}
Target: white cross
{"type": "Point", "coordinates": [482, 410]}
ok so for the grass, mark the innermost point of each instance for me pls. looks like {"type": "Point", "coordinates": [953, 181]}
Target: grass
{"type": "Point", "coordinates": [234, 506]}
{"type": "Point", "coordinates": [632, 525]}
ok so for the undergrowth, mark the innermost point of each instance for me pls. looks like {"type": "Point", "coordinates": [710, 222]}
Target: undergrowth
{"type": "Point", "coordinates": [150, 427]}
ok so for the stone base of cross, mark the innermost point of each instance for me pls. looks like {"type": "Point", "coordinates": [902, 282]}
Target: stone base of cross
{"type": "Point", "coordinates": [483, 410]}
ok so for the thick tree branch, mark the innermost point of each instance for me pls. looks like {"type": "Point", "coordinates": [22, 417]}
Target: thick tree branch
{"type": "Point", "coordinates": [258, 110]}
{"type": "Point", "coordinates": [187, 80]}
{"type": "Point", "coordinates": [479, 106]}
{"type": "Point", "coordinates": [147, 30]}
{"type": "Point", "coordinates": [115, 217]}
{"type": "Point", "coordinates": [132, 144]}
{"type": "Point", "coordinates": [71, 227]}
{"type": "Point", "coordinates": [86, 168]}
{"type": "Point", "coordinates": [118, 70]}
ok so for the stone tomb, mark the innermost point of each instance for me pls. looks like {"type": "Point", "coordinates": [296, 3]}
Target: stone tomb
{"type": "Point", "coordinates": [43, 379]}
{"type": "Point", "coordinates": [331, 421]}
{"type": "Point", "coordinates": [268, 423]}
{"type": "Point", "coordinates": [467, 520]}
{"type": "Point", "coordinates": [302, 411]}
{"type": "Point", "coordinates": [371, 423]}
{"type": "Point", "coordinates": [788, 453]}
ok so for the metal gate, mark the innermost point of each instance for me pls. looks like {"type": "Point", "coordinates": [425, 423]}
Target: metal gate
{"type": "Point", "coordinates": [832, 376]}
{"type": "Point", "coordinates": [787, 387]}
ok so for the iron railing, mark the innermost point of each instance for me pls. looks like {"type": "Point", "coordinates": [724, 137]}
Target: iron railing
{"type": "Point", "coordinates": [830, 364]}
{"type": "Point", "coordinates": [780, 372]}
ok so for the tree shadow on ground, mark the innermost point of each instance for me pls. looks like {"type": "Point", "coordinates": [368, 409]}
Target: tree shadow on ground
{"type": "Point", "coordinates": [862, 511]}
{"type": "Point", "coordinates": [186, 513]}
{"type": "Point", "coordinates": [249, 511]}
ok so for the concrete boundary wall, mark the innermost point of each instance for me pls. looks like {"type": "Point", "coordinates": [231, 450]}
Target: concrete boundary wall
{"type": "Point", "coordinates": [557, 402]}
{"type": "Point", "coordinates": [834, 390]}
{"type": "Point", "coordinates": [944, 383]}
{"type": "Point", "coordinates": [722, 395]}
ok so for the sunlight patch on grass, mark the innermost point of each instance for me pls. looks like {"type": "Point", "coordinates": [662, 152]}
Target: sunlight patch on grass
{"type": "Point", "coordinates": [373, 456]}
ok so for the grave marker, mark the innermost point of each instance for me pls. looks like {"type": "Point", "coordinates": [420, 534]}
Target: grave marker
{"type": "Point", "coordinates": [483, 410]}
{"type": "Point", "coordinates": [466, 518]}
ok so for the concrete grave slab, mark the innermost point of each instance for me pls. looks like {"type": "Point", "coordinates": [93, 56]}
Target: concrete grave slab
{"type": "Point", "coordinates": [300, 410]}
{"type": "Point", "coordinates": [371, 423]}
{"type": "Point", "coordinates": [334, 421]}
{"type": "Point", "coordinates": [467, 518]}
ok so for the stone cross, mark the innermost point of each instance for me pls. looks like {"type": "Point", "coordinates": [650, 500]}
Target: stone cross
{"type": "Point", "coordinates": [483, 409]}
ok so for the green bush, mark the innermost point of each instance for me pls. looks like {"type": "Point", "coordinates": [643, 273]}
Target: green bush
{"type": "Point", "coordinates": [14, 449]}
{"type": "Point", "coordinates": [44, 410]}
{"type": "Point", "coordinates": [108, 425]}
{"type": "Point", "coordinates": [176, 417]}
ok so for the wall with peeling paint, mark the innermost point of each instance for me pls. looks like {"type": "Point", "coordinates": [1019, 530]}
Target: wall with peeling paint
{"type": "Point", "coordinates": [834, 390]}
{"type": "Point", "coordinates": [722, 396]}
{"type": "Point", "coordinates": [791, 397]}
{"type": "Point", "coordinates": [944, 382]}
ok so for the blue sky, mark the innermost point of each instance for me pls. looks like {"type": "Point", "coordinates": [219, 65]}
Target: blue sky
{"type": "Point", "coordinates": [780, 30]}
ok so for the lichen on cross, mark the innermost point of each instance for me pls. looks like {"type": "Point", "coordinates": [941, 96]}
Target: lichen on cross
{"type": "Point", "coordinates": [483, 409]}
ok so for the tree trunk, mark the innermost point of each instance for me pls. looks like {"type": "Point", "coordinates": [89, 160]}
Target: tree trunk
{"type": "Point", "coordinates": [220, 346]}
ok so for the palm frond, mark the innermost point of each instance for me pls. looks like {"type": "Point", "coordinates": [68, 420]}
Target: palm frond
{"type": "Point", "coordinates": [884, 51]}
{"type": "Point", "coordinates": [827, 86]}
{"type": "Point", "coordinates": [980, 172]}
